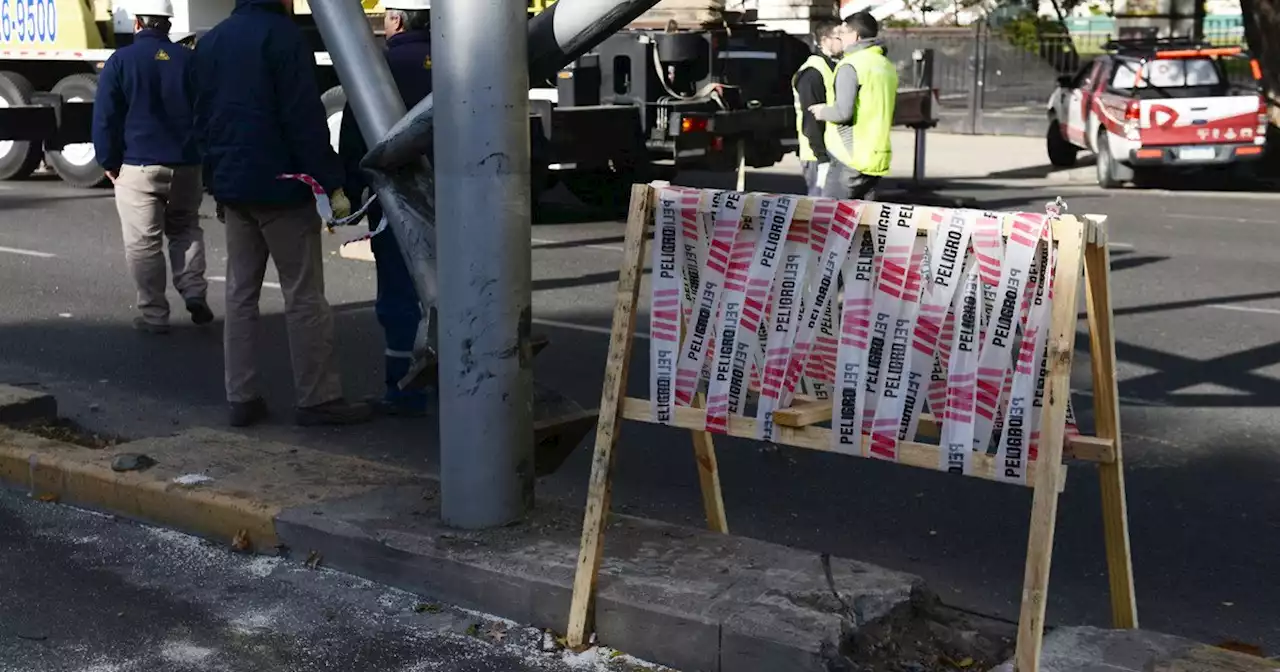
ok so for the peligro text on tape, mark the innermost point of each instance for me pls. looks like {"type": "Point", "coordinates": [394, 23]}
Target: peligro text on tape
{"type": "Point", "coordinates": [851, 358]}
{"type": "Point", "coordinates": [997, 346]}
{"type": "Point", "coordinates": [1034, 280]}
{"type": "Point", "coordinates": [1018, 435]}
{"type": "Point", "coordinates": [897, 296]}
{"type": "Point", "coordinates": [946, 266]}
{"type": "Point", "coordinates": [711, 285]}
{"type": "Point", "coordinates": [786, 311]}
{"type": "Point", "coordinates": [819, 370]}
{"type": "Point", "coordinates": [822, 289]}
{"type": "Point", "coordinates": [721, 393]}
{"type": "Point", "coordinates": [664, 312]}
{"type": "Point", "coordinates": [778, 213]}
{"type": "Point", "coordinates": [691, 244]}
{"type": "Point", "coordinates": [885, 216]}
{"type": "Point", "coordinates": [962, 377]}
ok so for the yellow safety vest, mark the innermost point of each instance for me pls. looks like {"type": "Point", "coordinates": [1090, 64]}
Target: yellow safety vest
{"type": "Point", "coordinates": [823, 66]}
{"type": "Point", "coordinates": [865, 145]}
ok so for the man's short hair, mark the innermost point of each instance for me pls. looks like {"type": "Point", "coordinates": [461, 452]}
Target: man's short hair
{"type": "Point", "coordinates": [863, 24]}
{"type": "Point", "coordinates": [413, 19]}
{"type": "Point", "coordinates": [159, 23]}
{"type": "Point", "coordinates": [822, 29]}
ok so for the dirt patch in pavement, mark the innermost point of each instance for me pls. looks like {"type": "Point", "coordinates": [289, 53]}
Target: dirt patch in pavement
{"type": "Point", "coordinates": [69, 431]}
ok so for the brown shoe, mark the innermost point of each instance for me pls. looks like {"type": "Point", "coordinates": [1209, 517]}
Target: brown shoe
{"type": "Point", "coordinates": [146, 327]}
{"type": "Point", "coordinates": [336, 412]}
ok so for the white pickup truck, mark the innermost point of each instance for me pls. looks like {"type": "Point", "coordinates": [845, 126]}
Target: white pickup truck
{"type": "Point", "coordinates": [1155, 105]}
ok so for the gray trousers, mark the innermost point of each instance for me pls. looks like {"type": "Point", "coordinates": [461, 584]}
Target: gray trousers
{"type": "Point", "coordinates": [846, 183]}
{"type": "Point", "coordinates": [155, 203]}
{"type": "Point", "coordinates": [291, 236]}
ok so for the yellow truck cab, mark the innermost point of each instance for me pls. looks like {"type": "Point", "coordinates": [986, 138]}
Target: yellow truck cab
{"type": "Point", "coordinates": [50, 54]}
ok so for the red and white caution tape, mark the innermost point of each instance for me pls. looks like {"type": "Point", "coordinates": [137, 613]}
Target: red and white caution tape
{"type": "Point", "coordinates": [1018, 435]}
{"type": "Point", "coordinates": [855, 325]}
{"type": "Point", "coordinates": [895, 310]}
{"type": "Point", "coordinates": [962, 377]}
{"type": "Point", "coordinates": [664, 311]}
{"type": "Point", "coordinates": [723, 394]}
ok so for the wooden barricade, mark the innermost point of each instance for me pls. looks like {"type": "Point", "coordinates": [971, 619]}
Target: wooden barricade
{"type": "Point", "coordinates": [1076, 242]}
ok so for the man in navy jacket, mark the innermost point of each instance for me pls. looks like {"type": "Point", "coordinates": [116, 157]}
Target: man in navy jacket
{"type": "Point", "coordinates": [143, 138]}
{"type": "Point", "coordinates": [259, 116]}
{"type": "Point", "coordinates": [408, 31]}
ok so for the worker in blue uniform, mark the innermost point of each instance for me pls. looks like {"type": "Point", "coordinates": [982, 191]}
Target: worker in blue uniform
{"type": "Point", "coordinates": [408, 34]}
{"type": "Point", "coordinates": [143, 137]}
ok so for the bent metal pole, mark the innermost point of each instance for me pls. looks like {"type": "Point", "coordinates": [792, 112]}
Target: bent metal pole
{"type": "Point", "coordinates": [485, 274]}
{"type": "Point", "coordinates": [557, 36]}
{"type": "Point", "coordinates": [406, 194]}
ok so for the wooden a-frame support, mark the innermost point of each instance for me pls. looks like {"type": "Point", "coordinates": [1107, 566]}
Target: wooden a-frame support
{"type": "Point", "coordinates": [1078, 240]}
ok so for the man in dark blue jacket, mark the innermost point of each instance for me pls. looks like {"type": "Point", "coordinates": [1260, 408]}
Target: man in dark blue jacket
{"type": "Point", "coordinates": [259, 116]}
{"type": "Point", "coordinates": [143, 138]}
{"type": "Point", "coordinates": [408, 32]}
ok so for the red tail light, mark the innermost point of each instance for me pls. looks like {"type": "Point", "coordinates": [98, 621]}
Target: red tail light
{"type": "Point", "coordinates": [1257, 69]}
{"type": "Point", "coordinates": [693, 124]}
{"type": "Point", "coordinates": [1133, 112]}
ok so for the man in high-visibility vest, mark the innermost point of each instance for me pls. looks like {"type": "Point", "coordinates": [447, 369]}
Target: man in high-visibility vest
{"type": "Point", "coordinates": [860, 114]}
{"type": "Point", "coordinates": [812, 85]}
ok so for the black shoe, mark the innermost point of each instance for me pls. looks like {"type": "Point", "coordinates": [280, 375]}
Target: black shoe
{"type": "Point", "coordinates": [245, 413]}
{"type": "Point", "coordinates": [336, 412]}
{"type": "Point", "coordinates": [200, 313]}
{"type": "Point", "coordinates": [159, 328]}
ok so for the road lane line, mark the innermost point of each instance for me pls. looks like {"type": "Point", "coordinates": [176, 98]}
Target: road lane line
{"type": "Point", "coordinates": [1245, 309]}
{"type": "Point", "coordinates": [1120, 246]}
{"type": "Point", "coordinates": [548, 241]}
{"type": "Point", "coordinates": [1217, 218]}
{"type": "Point", "coordinates": [223, 279]}
{"type": "Point", "coordinates": [582, 327]}
{"type": "Point", "coordinates": [27, 253]}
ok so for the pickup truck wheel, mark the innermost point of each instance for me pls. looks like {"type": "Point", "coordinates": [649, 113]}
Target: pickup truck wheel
{"type": "Point", "coordinates": [75, 163]}
{"type": "Point", "coordinates": [17, 159]}
{"type": "Point", "coordinates": [1111, 173]}
{"type": "Point", "coordinates": [605, 188]}
{"type": "Point", "coordinates": [1062, 154]}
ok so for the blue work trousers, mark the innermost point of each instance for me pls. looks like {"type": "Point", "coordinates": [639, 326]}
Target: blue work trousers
{"type": "Point", "coordinates": [399, 313]}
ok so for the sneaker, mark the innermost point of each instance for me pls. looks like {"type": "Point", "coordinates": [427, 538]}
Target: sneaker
{"type": "Point", "coordinates": [245, 413]}
{"type": "Point", "coordinates": [200, 313]}
{"type": "Point", "coordinates": [147, 327]}
{"type": "Point", "coordinates": [336, 412]}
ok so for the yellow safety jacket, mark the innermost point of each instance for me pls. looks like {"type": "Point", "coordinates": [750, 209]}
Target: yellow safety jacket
{"type": "Point", "coordinates": [864, 145]}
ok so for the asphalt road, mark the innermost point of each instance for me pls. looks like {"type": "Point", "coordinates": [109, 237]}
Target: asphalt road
{"type": "Point", "coordinates": [83, 592]}
{"type": "Point", "coordinates": [1197, 297]}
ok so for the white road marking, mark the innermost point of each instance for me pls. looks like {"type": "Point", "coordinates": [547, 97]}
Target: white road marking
{"type": "Point", "coordinates": [1120, 246]}
{"type": "Point", "coordinates": [27, 253]}
{"type": "Point", "coordinates": [220, 278]}
{"type": "Point", "coordinates": [1245, 309]}
{"type": "Point", "coordinates": [1217, 218]}
{"type": "Point", "coordinates": [582, 327]}
{"type": "Point", "coordinates": [546, 241]}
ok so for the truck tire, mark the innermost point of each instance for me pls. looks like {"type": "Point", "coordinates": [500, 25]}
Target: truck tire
{"type": "Point", "coordinates": [1062, 154]}
{"type": "Point", "coordinates": [17, 159]}
{"type": "Point", "coordinates": [1111, 173]}
{"type": "Point", "coordinates": [606, 188]}
{"type": "Point", "coordinates": [75, 164]}
{"type": "Point", "coordinates": [334, 101]}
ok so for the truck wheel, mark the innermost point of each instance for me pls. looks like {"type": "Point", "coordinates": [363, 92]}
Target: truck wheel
{"type": "Point", "coordinates": [17, 159]}
{"type": "Point", "coordinates": [334, 101]}
{"type": "Point", "coordinates": [75, 163]}
{"type": "Point", "coordinates": [1111, 173]}
{"type": "Point", "coordinates": [1062, 154]}
{"type": "Point", "coordinates": [605, 188]}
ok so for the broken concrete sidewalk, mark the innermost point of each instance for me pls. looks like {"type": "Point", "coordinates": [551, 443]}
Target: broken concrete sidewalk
{"type": "Point", "coordinates": [1084, 649]}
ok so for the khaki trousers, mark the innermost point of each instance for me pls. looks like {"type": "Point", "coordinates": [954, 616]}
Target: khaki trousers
{"type": "Point", "coordinates": [291, 236]}
{"type": "Point", "coordinates": [155, 203]}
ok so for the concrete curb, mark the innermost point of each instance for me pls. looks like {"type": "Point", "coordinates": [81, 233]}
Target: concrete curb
{"type": "Point", "coordinates": [1073, 649]}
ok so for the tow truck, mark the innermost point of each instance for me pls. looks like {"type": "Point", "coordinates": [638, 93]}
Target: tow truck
{"type": "Point", "coordinates": [1154, 105]}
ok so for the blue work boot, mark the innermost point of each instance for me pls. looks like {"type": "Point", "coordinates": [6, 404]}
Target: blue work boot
{"type": "Point", "coordinates": [397, 402]}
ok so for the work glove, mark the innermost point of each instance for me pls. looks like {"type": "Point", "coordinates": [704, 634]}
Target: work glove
{"type": "Point", "coordinates": [340, 205]}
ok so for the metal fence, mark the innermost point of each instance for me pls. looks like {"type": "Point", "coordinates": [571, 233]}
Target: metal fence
{"type": "Point", "coordinates": [994, 83]}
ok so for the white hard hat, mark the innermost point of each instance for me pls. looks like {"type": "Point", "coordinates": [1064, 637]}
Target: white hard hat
{"type": "Point", "coordinates": [151, 7]}
{"type": "Point", "coordinates": [407, 5]}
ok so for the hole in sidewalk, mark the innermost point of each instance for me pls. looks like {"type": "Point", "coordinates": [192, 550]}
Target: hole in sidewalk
{"type": "Point", "coordinates": [70, 431]}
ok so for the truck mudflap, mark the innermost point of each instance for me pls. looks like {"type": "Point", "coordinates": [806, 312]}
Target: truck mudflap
{"type": "Point", "coordinates": [48, 120]}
